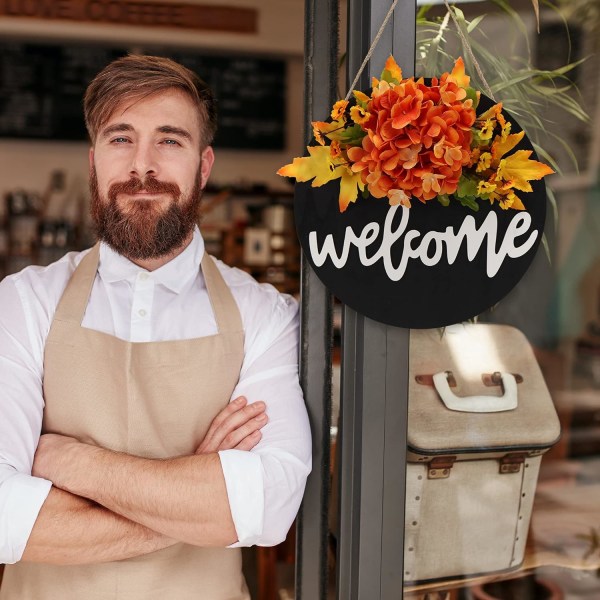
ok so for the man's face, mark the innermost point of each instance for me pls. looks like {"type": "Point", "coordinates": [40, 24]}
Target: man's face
{"type": "Point", "coordinates": [147, 174]}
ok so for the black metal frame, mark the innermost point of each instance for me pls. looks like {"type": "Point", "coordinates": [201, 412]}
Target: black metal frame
{"type": "Point", "coordinates": [374, 358]}
{"type": "Point", "coordinates": [316, 335]}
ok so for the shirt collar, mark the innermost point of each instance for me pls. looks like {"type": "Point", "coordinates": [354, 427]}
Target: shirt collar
{"type": "Point", "coordinates": [174, 275]}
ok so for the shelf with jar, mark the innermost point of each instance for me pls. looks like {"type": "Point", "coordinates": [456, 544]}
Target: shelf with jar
{"type": "Point", "coordinates": [40, 227]}
{"type": "Point", "coordinates": [253, 229]}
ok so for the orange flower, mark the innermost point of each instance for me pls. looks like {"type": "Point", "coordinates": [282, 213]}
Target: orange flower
{"type": "Point", "coordinates": [337, 112]}
{"type": "Point", "coordinates": [418, 139]}
{"type": "Point", "coordinates": [335, 149]}
{"type": "Point", "coordinates": [409, 138]}
{"type": "Point", "coordinates": [398, 197]}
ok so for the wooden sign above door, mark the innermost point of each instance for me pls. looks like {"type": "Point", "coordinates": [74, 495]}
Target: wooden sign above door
{"type": "Point", "coordinates": [129, 12]}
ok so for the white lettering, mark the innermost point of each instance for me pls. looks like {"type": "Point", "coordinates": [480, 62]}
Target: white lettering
{"type": "Point", "coordinates": [430, 249]}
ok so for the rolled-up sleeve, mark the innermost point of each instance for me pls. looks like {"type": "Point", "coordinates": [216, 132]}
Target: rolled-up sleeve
{"type": "Point", "coordinates": [21, 497]}
{"type": "Point", "coordinates": [21, 408]}
{"type": "Point", "coordinates": [265, 486]}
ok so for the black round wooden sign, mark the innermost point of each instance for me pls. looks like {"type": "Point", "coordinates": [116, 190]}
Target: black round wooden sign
{"type": "Point", "coordinates": [423, 267]}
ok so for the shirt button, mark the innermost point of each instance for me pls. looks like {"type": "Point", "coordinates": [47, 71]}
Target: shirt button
{"type": "Point", "coordinates": [142, 312]}
{"type": "Point", "coordinates": [143, 276]}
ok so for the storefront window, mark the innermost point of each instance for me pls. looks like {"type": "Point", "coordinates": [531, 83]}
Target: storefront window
{"type": "Point", "coordinates": [467, 508]}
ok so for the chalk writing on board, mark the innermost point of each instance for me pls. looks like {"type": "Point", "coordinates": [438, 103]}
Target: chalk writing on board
{"type": "Point", "coordinates": [42, 86]}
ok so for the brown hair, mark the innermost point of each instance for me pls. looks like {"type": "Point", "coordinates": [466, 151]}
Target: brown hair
{"type": "Point", "coordinates": [134, 77]}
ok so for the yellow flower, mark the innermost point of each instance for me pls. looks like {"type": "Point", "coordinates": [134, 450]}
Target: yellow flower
{"type": "Point", "coordinates": [398, 197]}
{"type": "Point", "coordinates": [505, 195]}
{"type": "Point", "coordinates": [485, 187]}
{"type": "Point", "coordinates": [359, 115]}
{"type": "Point", "coordinates": [485, 160]}
{"type": "Point", "coordinates": [338, 109]}
{"type": "Point", "coordinates": [511, 200]}
{"type": "Point", "coordinates": [487, 130]}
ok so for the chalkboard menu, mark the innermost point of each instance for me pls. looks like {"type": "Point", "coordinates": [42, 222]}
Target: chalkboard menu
{"type": "Point", "coordinates": [42, 86]}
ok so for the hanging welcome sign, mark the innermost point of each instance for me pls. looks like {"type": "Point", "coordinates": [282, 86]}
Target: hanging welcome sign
{"type": "Point", "coordinates": [422, 204]}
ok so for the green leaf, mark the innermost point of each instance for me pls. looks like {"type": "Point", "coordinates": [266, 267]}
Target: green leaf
{"type": "Point", "coordinates": [475, 23]}
{"type": "Point", "coordinates": [387, 76]}
{"type": "Point", "coordinates": [352, 135]}
{"type": "Point", "coordinates": [472, 94]}
{"type": "Point", "coordinates": [546, 247]}
{"type": "Point", "coordinates": [554, 206]}
{"type": "Point", "coordinates": [444, 199]}
{"type": "Point", "coordinates": [469, 202]}
{"type": "Point", "coordinates": [466, 187]}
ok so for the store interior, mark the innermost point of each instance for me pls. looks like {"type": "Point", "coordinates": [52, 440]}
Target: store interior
{"type": "Point", "coordinates": [247, 221]}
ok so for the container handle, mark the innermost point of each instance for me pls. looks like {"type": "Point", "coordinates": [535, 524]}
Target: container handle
{"type": "Point", "coordinates": [478, 404]}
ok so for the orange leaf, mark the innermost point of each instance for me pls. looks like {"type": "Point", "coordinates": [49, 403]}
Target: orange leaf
{"type": "Point", "coordinates": [458, 74]}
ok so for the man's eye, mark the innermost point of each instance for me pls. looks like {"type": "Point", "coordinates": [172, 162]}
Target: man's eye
{"type": "Point", "coordinates": [120, 140]}
{"type": "Point", "coordinates": [170, 142]}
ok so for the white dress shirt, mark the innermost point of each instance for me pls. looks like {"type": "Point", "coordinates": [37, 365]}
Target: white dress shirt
{"type": "Point", "coordinates": [264, 486]}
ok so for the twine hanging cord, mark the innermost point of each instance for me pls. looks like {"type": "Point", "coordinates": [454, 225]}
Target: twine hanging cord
{"type": "Point", "coordinates": [371, 49]}
{"type": "Point", "coordinates": [464, 40]}
{"type": "Point", "coordinates": [469, 50]}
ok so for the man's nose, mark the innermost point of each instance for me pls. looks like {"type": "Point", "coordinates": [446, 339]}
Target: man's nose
{"type": "Point", "coordinates": [144, 161]}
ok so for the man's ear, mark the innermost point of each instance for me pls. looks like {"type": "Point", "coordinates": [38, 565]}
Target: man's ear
{"type": "Point", "coordinates": [91, 158]}
{"type": "Point", "coordinates": [208, 159]}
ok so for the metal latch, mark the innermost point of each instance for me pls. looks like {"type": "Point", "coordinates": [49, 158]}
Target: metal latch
{"type": "Point", "coordinates": [511, 463]}
{"type": "Point", "coordinates": [440, 467]}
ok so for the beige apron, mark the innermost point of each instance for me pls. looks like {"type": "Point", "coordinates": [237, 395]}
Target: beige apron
{"type": "Point", "coordinates": [151, 399]}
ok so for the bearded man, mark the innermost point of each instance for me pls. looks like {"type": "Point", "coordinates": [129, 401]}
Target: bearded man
{"type": "Point", "coordinates": [151, 420]}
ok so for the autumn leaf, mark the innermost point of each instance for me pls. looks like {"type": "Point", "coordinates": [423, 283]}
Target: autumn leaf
{"type": "Point", "coordinates": [519, 169]}
{"type": "Point", "coordinates": [491, 113]}
{"type": "Point", "coordinates": [349, 185]}
{"type": "Point", "coordinates": [322, 129]}
{"type": "Point", "coordinates": [458, 75]}
{"type": "Point", "coordinates": [501, 146]}
{"type": "Point", "coordinates": [361, 98]}
{"type": "Point", "coordinates": [318, 165]}
{"type": "Point", "coordinates": [391, 73]}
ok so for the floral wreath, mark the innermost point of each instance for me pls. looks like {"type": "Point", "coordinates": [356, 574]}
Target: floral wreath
{"type": "Point", "coordinates": [412, 139]}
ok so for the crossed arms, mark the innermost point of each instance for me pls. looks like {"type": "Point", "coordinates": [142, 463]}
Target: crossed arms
{"type": "Point", "coordinates": [107, 505]}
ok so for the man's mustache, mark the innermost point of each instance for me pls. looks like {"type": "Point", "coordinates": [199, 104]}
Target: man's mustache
{"type": "Point", "coordinates": [149, 184]}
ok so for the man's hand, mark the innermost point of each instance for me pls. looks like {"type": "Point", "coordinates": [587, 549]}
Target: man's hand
{"type": "Point", "coordinates": [237, 426]}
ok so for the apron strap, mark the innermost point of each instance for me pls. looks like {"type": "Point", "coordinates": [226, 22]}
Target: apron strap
{"type": "Point", "coordinates": [74, 301]}
{"type": "Point", "coordinates": [225, 308]}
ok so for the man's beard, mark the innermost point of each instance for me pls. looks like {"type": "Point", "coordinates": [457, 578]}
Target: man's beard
{"type": "Point", "coordinates": [144, 229]}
